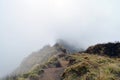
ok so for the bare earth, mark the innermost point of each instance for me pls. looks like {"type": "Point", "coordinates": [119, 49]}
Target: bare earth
{"type": "Point", "coordinates": [54, 73]}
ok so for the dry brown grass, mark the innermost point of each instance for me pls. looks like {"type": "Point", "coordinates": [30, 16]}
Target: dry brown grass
{"type": "Point", "coordinates": [98, 68]}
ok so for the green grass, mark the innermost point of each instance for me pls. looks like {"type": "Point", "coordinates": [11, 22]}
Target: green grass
{"type": "Point", "coordinates": [37, 70]}
{"type": "Point", "coordinates": [80, 67]}
{"type": "Point", "coordinates": [92, 67]}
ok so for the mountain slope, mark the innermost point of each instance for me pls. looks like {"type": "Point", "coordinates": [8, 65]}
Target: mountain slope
{"type": "Point", "coordinates": [37, 58]}
{"type": "Point", "coordinates": [92, 67]}
{"type": "Point", "coordinates": [76, 67]}
{"type": "Point", "coordinates": [59, 64]}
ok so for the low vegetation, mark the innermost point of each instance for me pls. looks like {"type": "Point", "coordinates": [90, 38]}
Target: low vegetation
{"type": "Point", "coordinates": [91, 67]}
{"type": "Point", "coordinates": [36, 72]}
{"type": "Point", "coordinates": [99, 62]}
{"type": "Point", "coordinates": [107, 49]}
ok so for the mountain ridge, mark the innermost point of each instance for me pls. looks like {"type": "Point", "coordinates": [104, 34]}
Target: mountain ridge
{"type": "Point", "coordinates": [61, 64]}
{"type": "Point", "coordinates": [41, 56]}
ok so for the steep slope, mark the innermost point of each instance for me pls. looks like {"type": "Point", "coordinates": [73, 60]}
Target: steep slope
{"type": "Point", "coordinates": [37, 58]}
{"type": "Point", "coordinates": [61, 65]}
{"type": "Point", "coordinates": [51, 70]}
{"type": "Point", "coordinates": [41, 56]}
{"type": "Point", "coordinates": [33, 59]}
{"type": "Point", "coordinates": [76, 67]}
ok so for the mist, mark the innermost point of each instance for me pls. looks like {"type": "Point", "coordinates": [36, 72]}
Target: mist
{"type": "Point", "coordinates": [28, 25]}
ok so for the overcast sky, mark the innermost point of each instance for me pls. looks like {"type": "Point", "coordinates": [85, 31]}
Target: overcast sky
{"type": "Point", "coordinates": [27, 25]}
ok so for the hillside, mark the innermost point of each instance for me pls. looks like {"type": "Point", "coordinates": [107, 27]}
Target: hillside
{"type": "Point", "coordinates": [39, 57]}
{"type": "Point", "coordinates": [77, 66]}
{"type": "Point", "coordinates": [92, 67]}
{"type": "Point", "coordinates": [106, 49]}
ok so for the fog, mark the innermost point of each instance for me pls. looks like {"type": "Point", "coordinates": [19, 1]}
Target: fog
{"type": "Point", "coordinates": [28, 25]}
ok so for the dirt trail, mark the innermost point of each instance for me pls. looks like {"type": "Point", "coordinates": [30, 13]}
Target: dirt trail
{"type": "Point", "coordinates": [63, 63]}
{"type": "Point", "coordinates": [54, 73]}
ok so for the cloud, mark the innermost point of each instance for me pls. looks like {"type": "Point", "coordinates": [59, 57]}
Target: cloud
{"type": "Point", "coordinates": [27, 25]}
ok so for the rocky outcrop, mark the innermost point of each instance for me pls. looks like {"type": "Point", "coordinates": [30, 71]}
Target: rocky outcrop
{"type": "Point", "coordinates": [109, 49]}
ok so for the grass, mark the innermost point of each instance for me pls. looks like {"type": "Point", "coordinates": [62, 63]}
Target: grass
{"type": "Point", "coordinates": [37, 70]}
{"type": "Point", "coordinates": [92, 67]}
{"type": "Point", "coordinates": [81, 67]}
{"type": "Point", "coordinates": [53, 62]}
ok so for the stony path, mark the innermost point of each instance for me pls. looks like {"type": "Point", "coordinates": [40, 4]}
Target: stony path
{"type": "Point", "coordinates": [54, 73]}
